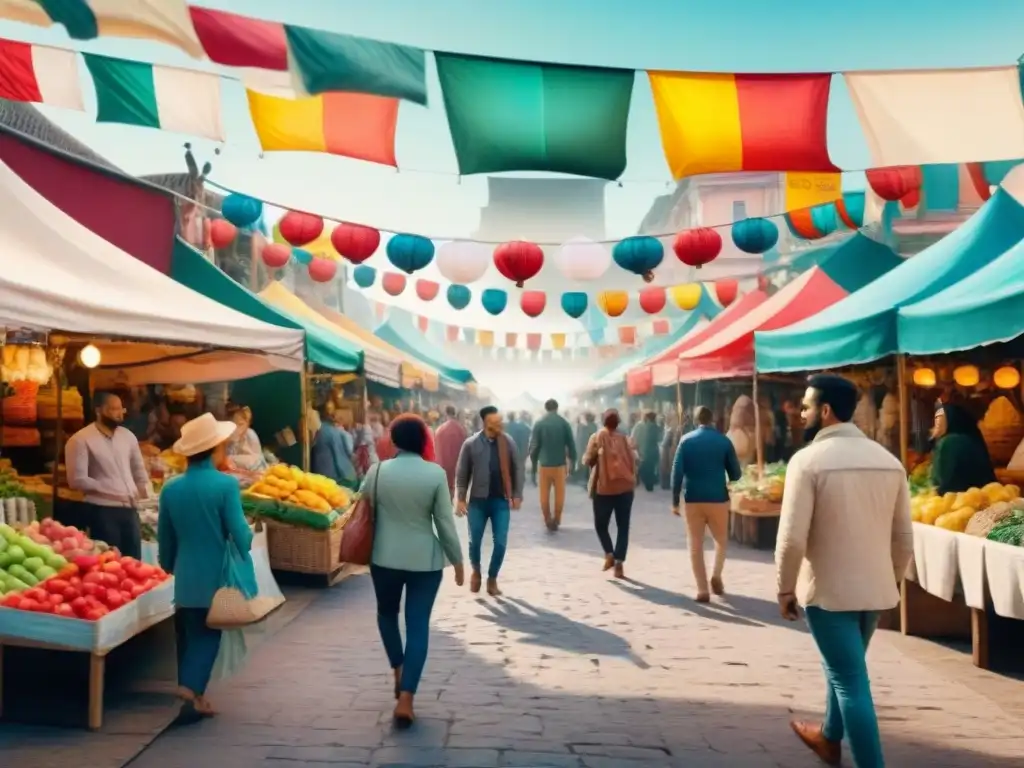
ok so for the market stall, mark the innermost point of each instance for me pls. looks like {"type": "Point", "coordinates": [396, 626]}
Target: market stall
{"type": "Point", "coordinates": [400, 334]}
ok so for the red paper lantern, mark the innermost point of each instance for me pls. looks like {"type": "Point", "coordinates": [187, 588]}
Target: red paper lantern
{"type": "Point", "coordinates": [355, 242]}
{"type": "Point", "coordinates": [300, 228]}
{"type": "Point", "coordinates": [222, 233]}
{"type": "Point", "coordinates": [533, 302]}
{"type": "Point", "coordinates": [276, 255]}
{"type": "Point", "coordinates": [427, 289]}
{"type": "Point", "coordinates": [518, 260]}
{"type": "Point", "coordinates": [911, 199]}
{"type": "Point", "coordinates": [896, 181]}
{"type": "Point", "coordinates": [697, 247]}
{"type": "Point", "coordinates": [726, 291]}
{"type": "Point", "coordinates": [393, 283]}
{"type": "Point", "coordinates": [652, 300]}
{"type": "Point", "coordinates": [322, 270]}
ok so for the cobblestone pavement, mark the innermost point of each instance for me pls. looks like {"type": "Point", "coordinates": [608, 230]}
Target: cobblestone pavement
{"type": "Point", "coordinates": [572, 668]}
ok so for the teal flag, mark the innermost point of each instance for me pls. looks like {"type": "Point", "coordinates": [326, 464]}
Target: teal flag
{"type": "Point", "coordinates": [521, 116]}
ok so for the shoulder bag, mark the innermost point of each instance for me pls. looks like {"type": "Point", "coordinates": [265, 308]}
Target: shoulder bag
{"type": "Point", "coordinates": [357, 536]}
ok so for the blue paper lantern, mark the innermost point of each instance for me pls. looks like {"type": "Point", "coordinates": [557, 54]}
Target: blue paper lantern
{"type": "Point", "coordinates": [302, 256]}
{"type": "Point", "coordinates": [639, 255]}
{"type": "Point", "coordinates": [459, 296]}
{"type": "Point", "coordinates": [494, 300]}
{"type": "Point", "coordinates": [574, 304]}
{"type": "Point", "coordinates": [241, 210]}
{"type": "Point", "coordinates": [755, 235]}
{"type": "Point", "coordinates": [410, 252]}
{"type": "Point", "coordinates": [364, 276]}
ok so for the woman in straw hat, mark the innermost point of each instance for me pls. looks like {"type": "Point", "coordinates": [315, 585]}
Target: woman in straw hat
{"type": "Point", "coordinates": [199, 512]}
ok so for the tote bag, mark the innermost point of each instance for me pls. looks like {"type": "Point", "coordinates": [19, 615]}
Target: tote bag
{"type": "Point", "coordinates": [357, 538]}
{"type": "Point", "coordinates": [237, 603]}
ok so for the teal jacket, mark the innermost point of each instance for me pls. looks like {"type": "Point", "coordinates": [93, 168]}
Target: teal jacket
{"type": "Point", "coordinates": [411, 499]}
{"type": "Point", "coordinates": [553, 443]}
{"type": "Point", "coordinates": [704, 460]}
{"type": "Point", "coordinates": [199, 510]}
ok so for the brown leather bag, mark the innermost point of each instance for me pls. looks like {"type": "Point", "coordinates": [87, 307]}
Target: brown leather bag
{"type": "Point", "coordinates": [357, 538]}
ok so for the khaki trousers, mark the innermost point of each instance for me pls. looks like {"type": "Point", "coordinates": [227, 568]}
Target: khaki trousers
{"type": "Point", "coordinates": [699, 517]}
{"type": "Point", "coordinates": [552, 477]}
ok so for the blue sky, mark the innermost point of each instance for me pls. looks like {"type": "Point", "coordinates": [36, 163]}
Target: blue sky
{"type": "Point", "coordinates": [427, 197]}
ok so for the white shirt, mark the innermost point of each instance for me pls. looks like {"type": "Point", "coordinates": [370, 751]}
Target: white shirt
{"type": "Point", "coordinates": [108, 470]}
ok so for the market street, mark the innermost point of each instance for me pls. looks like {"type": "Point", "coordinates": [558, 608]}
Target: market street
{"type": "Point", "coordinates": [573, 669]}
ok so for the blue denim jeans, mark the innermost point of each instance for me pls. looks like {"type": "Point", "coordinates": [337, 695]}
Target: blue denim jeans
{"type": "Point", "coordinates": [842, 638]}
{"type": "Point", "coordinates": [198, 646]}
{"type": "Point", "coordinates": [420, 589]}
{"type": "Point", "coordinates": [500, 516]}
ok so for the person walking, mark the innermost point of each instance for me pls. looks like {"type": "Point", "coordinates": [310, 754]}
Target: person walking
{"type": "Point", "coordinates": [410, 500]}
{"type": "Point", "coordinates": [333, 451]}
{"type": "Point", "coordinates": [488, 484]}
{"type": "Point", "coordinates": [520, 434]}
{"type": "Point", "coordinates": [448, 440]}
{"type": "Point", "coordinates": [647, 438]}
{"type": "Point", "coordinates": [200, 515]}
{"type": "Point", "coordinates": [585, 430]}
{"type": "Point", "coordinates": [104, 462]}
{"type": "Point", "coordinates": [552, 450]}
{"type": "Point", "coordinates": [844, 544]}
{"type": "Point", "coordinates": [611, 485]}
{"type": "Point", "coordinates": [669, 443]}
{"type": "Point", "coordinates": [704, 459]}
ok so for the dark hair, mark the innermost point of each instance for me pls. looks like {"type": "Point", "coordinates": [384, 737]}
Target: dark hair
{"type": "Point", "coordinates": [100, 398]}
{"type": "Point", "coordinates": [611, 419]}
{"type": "Point", "coordinates": [486, 411]}
{"type": "Point", "coordinates": [835, 391]}
{"type": "Point", "coordinates": [196, 458]}
{"type": "Point", "coordinates": [551, 405]}
{"type": "Point", "coordinates": [449, 411]}
{"type": "Point", "coordinates": [650, 416]}
{"type": "Point", "coordinates": [511, 416]}
{"type": "Point", "coordinates": [704, 415]}
{"type": "Point", "coordinates": [409, 433]}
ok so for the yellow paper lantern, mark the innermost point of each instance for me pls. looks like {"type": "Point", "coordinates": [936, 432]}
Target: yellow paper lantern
{"type": "Point", "coordinates": [613, 303]}
{"type": "Point", "coordinates": [924, 377]}
{"type": "Point", "coordinates": [1006, 377]}
{"type": "Point", "coordinates": [966, 375]}
{"type": "Point", "coordinates": [687, 296]}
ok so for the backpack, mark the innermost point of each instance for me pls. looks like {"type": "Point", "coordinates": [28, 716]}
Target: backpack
{"type": "Point", "coordinates": [616, 459]}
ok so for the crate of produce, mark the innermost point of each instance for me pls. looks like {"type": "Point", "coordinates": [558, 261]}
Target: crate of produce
{"type": "Point", "coordinates": [304, 550]}
{"type": "Point", "coordinates": [753, 505]}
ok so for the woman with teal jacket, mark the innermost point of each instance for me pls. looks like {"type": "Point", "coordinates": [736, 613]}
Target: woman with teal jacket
{"type": "Point", "coordinates": [200, 513]}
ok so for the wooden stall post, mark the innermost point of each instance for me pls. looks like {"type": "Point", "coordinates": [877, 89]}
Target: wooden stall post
{"type": "Point", "coordinates": [679, 401]}
{"type": "Point", "coordinates": [57, 361]}
{"type": "Point", "coordinates": [758, 437]}
{"type": "Point", "coordinates": [303, 421]}
{"type": "Point", "coordinates": [901, 386]}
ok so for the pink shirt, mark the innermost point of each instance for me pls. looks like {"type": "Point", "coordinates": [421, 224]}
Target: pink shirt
{"type": "Point", "coordinates": [448, 442]}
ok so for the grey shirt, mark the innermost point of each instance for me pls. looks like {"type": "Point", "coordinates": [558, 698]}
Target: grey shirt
{"type": "Point", "coordinates": [108, 470]}
{"type": "Point", "coordinates": [472, 474]}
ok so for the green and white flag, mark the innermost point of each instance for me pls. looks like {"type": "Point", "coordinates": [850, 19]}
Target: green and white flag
{"type": "Point", "coordinates": [178, 100]}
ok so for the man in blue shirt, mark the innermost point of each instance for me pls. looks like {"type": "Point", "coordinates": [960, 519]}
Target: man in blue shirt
{"type": "Point", "coordinates": [704, 458]}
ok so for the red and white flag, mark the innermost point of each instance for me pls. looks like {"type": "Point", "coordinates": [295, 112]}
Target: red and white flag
{"type": "Point", "coordinates": [40, 75]}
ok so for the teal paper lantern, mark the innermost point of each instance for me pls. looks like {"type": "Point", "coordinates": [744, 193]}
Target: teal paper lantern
{"type": "Point", "coordinates": [494, 300]}
{"type": "Point", "coordinates": [851, 209]}
{"type": "Point", "coordinates": [302, 256]}
{"type": "Point", "coordinates": [639, 255]}
{"type": "Point", "coordinates": [755, 235]}
{"type": "Point", "coordinates": [459, 296]}
{"type": "Point", "coordinates": [364, 276]}
{"type": "Point", "coordinates": [410, 252]}
{"type": "Point", "coordinates": [825, 218]}
{"type": "Point", "coordinates": [574, 304]}
{"type": "Point", "coordinates": [241, 210]}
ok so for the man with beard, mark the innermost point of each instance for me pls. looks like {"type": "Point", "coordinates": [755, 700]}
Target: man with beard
{"type": "Point", "coordinates": [845, 541]}
{"type": "Point", "coordinates": [105, 463]}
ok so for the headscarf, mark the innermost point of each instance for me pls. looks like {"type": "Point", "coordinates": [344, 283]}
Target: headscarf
{"type": "Point", "coordinates": [960, 421]}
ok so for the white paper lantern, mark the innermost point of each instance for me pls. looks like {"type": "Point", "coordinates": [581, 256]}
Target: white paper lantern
{"type": "Point", "coordinates": [462, 261]}
{"type": "Point", "coordinates": [583, 259]}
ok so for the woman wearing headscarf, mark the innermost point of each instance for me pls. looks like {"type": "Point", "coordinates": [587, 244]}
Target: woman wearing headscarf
{"type": "Point", "coordinates": [961, 459]}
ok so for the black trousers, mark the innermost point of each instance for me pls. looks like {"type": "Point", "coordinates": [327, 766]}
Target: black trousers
{"type": "Point", "coordinates": [117, 526]}
{"type": "Point", "coordinates": [621, 506]}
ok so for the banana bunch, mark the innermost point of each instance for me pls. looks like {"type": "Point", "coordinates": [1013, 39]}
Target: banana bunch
{"type": "Point", "coordinates": [304, 489]}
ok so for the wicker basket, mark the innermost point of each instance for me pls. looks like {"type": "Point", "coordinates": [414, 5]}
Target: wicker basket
{"type": "Point", "coordinates": [303, 550]}
{"type": "Point", "coordinates": [1003, 429]}
{"type": "Point", "coordinates": [752, 506]}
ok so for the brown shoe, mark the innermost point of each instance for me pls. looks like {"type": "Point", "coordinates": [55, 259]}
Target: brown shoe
{"type": "Point", "coordinates": [619, 574]}
{"type": "Point", "coordinates": [403, 715]}
{"type": "Point", "coordinates": [609, 562]}
{"type": "Point", "coordinates": [829, 752]}
{"type": "Point", "coordinates": [474, 582]}
{"type": "Point", "coordinates": [492, 588]}
{"type": "Point", "coordinates": [703, 597]}
{"type": "Point", "coordinates": [717, 586]}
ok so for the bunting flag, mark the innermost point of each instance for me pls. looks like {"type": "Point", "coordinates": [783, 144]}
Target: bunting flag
{"type": "Point", "coordinates": [627, 334]}
{"type": "Point", "coordinates": [452, 333]}
{"type": "Point", "coordinates": [485, 338]}
{"type": "Point", "coordinates": [348, 124]}
{"type": "Point", "coordinates": [40, 75]}
{"type": "Point", "coordinates": [721, 123]}
{"type": "Point", "coordinates": [256, 50]}
{"type": "Point", "coordinates": [520, 116]}
{"type": "Point", "coordinates": [134, 93]}
{"type": "Point", "coordinates": [940, 116]}
{"type": "Point", "coordinates": [533, 341]}
{"type": "Point", "coordinates": [660, 327]}
{"type": "Point", "coordinates": [510, 339]}
{"type": "Point", "coordinates": [806, 190]}
{"type": "Point", "coordinates": [558, 340]}
{"type": "Point", "coordinates": [166, 21]}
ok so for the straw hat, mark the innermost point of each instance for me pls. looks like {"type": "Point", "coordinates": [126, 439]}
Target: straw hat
{"type": "Point", "coordinates": [202, 434]}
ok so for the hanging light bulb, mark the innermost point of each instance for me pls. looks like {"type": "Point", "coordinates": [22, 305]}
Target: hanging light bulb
{"type": "Point", "coordinates": [924, 377]}
{"type": "Point", "coordinates": [1006, 377]}
{"type": "Point", "coordinates": [90, 356]}
{"type": "Point", "coordinates": [967, 375]}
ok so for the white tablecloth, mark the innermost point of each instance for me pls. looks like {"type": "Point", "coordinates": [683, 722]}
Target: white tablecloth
{"type": "Point", "coordinates": [970, 555]}
{"type": "Point", "coordinates": [935, 560]}
{"type": "Point", "coordinates": [1004, 570]}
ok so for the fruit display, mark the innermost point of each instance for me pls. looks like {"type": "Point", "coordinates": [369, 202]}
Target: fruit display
{"type": "Point", "coordinates": [291, 485]}
{"type": "Point", "coordinates": [89, 587]}
{"type": "Point", "coordinates": [954, 511]}
{"type": "Point", "coordinates": [24, 563]}
{"type": "Point", "coordinates": [64, 540]}
{"type": "Point", "coordinates": [769, 487]}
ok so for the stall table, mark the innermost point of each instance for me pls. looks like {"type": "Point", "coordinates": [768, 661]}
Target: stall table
{"type": "Point", "coordinates": [754, 522]}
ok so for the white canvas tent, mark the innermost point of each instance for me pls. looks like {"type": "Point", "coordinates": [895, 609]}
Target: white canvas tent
{"type": "Point", "coordinates": [56, 275]}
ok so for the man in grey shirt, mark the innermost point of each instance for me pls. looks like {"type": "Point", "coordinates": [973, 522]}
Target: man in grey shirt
{"type": "Point", "coordinates": [104, 462]}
